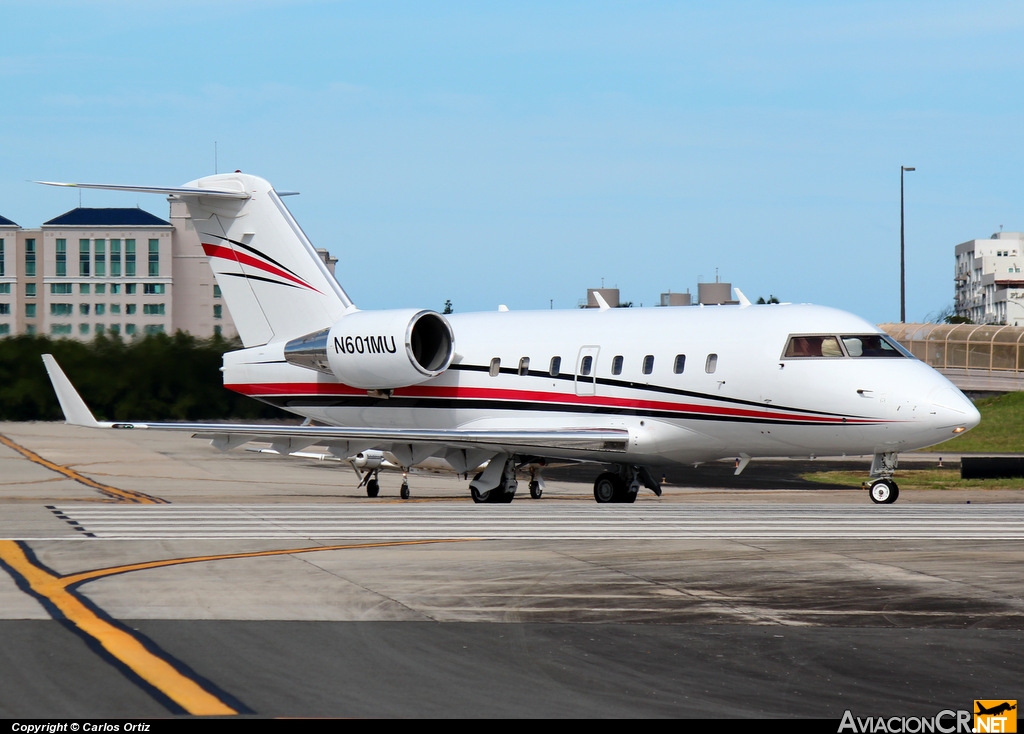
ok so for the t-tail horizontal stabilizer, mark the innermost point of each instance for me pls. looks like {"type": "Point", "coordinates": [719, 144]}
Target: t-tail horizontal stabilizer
{"type": "Point", "coordinates": [76, 412]}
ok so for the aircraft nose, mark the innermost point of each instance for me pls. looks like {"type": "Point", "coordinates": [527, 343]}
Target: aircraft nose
{"type": "Point", "coordinates": [954, 409]}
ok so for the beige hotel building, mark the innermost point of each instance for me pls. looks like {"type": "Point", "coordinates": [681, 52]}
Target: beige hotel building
{"type": "Point", "coordinates": [108, 271]}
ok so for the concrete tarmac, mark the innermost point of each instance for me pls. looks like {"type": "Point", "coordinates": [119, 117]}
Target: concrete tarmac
{"type": "Point", "coordinates": [194, 616]}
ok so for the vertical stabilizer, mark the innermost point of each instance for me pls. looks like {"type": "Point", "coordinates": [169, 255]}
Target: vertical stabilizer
{"type": "Point", "coordinates": [274, 283]}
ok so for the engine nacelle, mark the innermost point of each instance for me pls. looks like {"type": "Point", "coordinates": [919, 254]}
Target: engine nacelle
{"type": "Point", "coordinates": [378, 350]}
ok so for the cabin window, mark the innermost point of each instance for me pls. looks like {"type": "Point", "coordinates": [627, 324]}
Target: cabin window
{"type": "Point", "coordinates": [711, 364]}
{"type": "Point", "coordinates": [679, 364]}
{"type": "Point", "coordinates": [586, 365]}
{"type": "Point", "coordinates": [617, 365]}
{"type": "Point", "coordinates": [495, 366]}
{"type": "Point", "coordinates": [648, 364]}
{"type": "Point", "coordinates": [524, 366]}
{"type": "Point", "coordinates": [556, 366]}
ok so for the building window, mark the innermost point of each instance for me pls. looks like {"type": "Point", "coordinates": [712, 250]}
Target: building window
{"type": "Point", "coordinates": [61, 309]}
{"type": "Point", "coordinates": [154, 328]}
{"type": "Point", "coordinates": [154, 258]}
{"type": "Point", "coordinates": [115, 258]}
{"type": "Point", "coordinates": [129, 329]}
{"type": "Point", "coordinates": [115, 328]}
{"type": "Point", "coordinates": [100, 309]}
{"type": "Point", "coordinates": [83, 258]}
{"type": "Point", "coordinates": [83, 309]}
{"type": "Point", "coordinates": [30, 290]}
{"type": "Point", "coordinates": [218, 313]}
{"type": "Point", "coordinates": [153, 289]}
{"type": "Point", "coordinates": [679, 364]}
{"type": "Point", "coordinates": [153, 309]}
{"type": "Point", "coordinates": [60, 289]}
{"type": "Point", "coordinates": [5, 309]}
{"type": "Point", "coordinates": [100, 258]}
{"type": "Point", "coordinates": [99, 329]}
{"type": "Point", "coordinates": [83, 289]}
{"type": "Point", "coordinates": [129, 289]}
{"type": "Point", "coordinates": [30, 310]}
{"type": "Point", "coordinates": [30, 258]}
{"type": "Point", "coordinates": [648, 364]}
{"type": "Point", "coordinates": [129, 258]}
{"type": "Point", "coordinates": [83, 329]}
{"type": "Point", "coordinates": [62, 257]}
{"type": "Point", "coordinates": [216, 288]}
{"type": "Point", "coordinates": [2, 257]}
{"type": "Point", "coordinates": [5, 289]}
{"type": "Point", "coordinates": [5, 329]}
{"type": "Point", "coordinates": [101, 289]}
{"type": "Point", "coordinates": [60, 329]}
{"type": "Point", "coordinates": [115, 308]}
{"type": "Point", "coordinates": [130, 309]}
{"type": "Point", "coordinates": [115, 288]}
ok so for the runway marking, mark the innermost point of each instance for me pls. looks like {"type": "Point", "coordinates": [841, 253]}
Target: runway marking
{"type": "Point", "coordinates": [166, 679]}
{"type": "Point", "coordinates": [547, 521]}
{"type": "Point", "coordinates": [120, 495]}
{"type": "Point", "coordinates": [84, 576]}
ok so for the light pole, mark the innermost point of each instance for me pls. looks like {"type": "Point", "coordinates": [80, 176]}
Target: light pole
{"type": "Point", "coordinates": [903, 252]}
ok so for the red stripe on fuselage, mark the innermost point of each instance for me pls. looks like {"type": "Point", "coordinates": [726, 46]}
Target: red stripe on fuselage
{"type": "Point", "coordinates": [284, 389]}
{"type": "Point", "coordinates": [245, 259]}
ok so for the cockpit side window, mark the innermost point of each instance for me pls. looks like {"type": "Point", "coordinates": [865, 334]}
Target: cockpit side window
{"type": "Point", "coordinates": [871, 345]}
{"type": "Point", "coordinates": [813, 346]}
{"type": "Point", "coordinates": [802, 346]}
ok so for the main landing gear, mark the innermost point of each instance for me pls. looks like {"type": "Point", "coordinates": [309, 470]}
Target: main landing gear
{"type": "Point", "coordinates": [623, 484]}
{"type": "Point", "coordinates": [884, 491]}
{"type": "Point", "coordinates": [497, 483]}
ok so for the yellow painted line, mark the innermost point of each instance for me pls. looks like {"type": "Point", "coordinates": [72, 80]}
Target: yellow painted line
{"type": "Point", "coordinates": [84, 576]}
{"type": "Point", "coordinates": [119, 643]}
{"type": "Point", "coordinates": [121, 495]}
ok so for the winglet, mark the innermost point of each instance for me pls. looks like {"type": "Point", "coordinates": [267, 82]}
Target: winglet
{"type": "Point", "coordinates": [744, 301]}
{"type": "Point", "coordinates": [75, 410]}
{"type": "Point", "coordinates": [601, 303]}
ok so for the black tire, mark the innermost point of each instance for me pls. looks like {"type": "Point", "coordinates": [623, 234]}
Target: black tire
{"type": "Point", "coordinates": [478, 496]}
{"type": "Point", "coordinates": [535, 491]}
{"type": "Point", "coordinates": [884, 492]}
{"type": "Point", "coordinates": [606, 488]}
{"type": "Point", "coordinates": [372, 488]}
{"type": "Point", "coordinates": [404, 491]}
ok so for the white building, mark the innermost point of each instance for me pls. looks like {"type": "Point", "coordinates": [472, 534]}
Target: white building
{"type": "Point", "coordinates": [989, 281]}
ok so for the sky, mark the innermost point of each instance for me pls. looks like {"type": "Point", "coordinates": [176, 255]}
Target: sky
{"type": "Point", "coordinates": [518, 153]}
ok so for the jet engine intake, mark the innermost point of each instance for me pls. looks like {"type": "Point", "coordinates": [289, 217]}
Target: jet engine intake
{"type": "Point", "coordinates": [378, 350]}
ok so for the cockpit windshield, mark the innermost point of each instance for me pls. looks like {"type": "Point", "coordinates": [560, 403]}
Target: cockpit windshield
{"type": "Point", "coordinates": [802, 346]}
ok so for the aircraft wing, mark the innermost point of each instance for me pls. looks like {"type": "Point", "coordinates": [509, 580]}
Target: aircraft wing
{"type": "Point", "coordinates": [403, 442]}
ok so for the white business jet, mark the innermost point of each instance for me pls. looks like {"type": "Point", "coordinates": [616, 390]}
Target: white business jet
{"type": "Point", "coordinates": [629, 389]}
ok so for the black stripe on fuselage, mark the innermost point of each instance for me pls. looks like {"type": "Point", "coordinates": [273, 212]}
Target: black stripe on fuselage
{"type": "Point", "coordinates": [644, 386]}
{"type": "Point", "coordinates": [294, 402]}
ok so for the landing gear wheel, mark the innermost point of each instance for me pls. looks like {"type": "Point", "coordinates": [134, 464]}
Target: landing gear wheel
{"type": "Point", "coordinates": [478, 496]}
{"type": "Point", "coordinates": [372, 488]}
{"type": "Point", "coordinates": [884, 491]}
{"type": "Point", "coordinates": [535, 491]}
{"type": "Point", "coordinates": [607, 488]}
{"type": "Point", "coordinates": [404, 491]}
